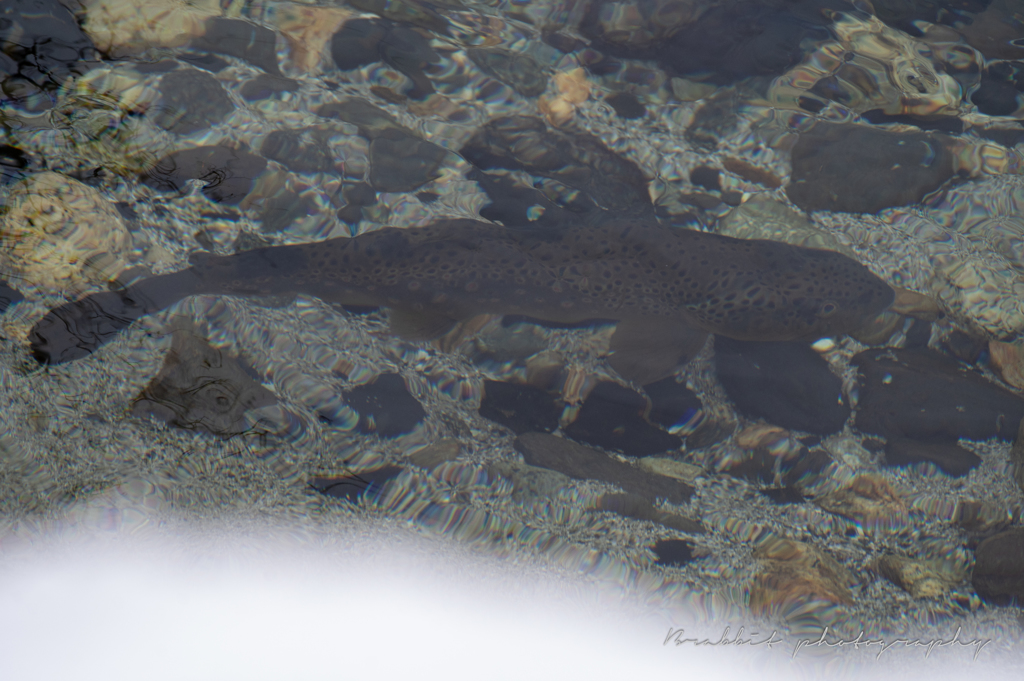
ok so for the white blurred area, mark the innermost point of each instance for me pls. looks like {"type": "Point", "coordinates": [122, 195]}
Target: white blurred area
{"type": "Point", "coordinates": [255, 600]}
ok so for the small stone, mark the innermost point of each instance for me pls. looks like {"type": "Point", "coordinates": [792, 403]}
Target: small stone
{"type": "Point", "coordinates": [626, 105]}
{"type": "Point", "coordinates": [365, 41]}
{"type": "Point", "coordinates": [794, 575]}
{"type": "Point", "coordinates": [265, 86]}
{"type": "Point", "coordinates": [403, 163]}
{"type": "Point", "coordinates": [612, 418]}
{"type": "Point", "coordinates": [998, 576]}
{"type": "Point", "coordinates": [673, 552]}
{"type": "Point", "coordinates": [708, 178]}
{"type": "Point", "coordinates": [1007, 359]}
{"type": "Point", "coordinates": [437, 453]}
{"type": "Point", "coordinates": [680, 470]}
{"type": "Point", "coordinates": [352, 486]}
{"type": "Point", "coordinates": [773, 456]}
{"type": "Point", "coordinates": [200, 387]}
{"type": "Point", "coordinates": [859, 169]}
{"type": "Point", "coordinates": [673, 405]}
{"type": "Point", "coordinates": [573, 88]}
{"type": "Point", "coordinates": [530, 484]}
{"type": "Point", "coordinates": [917, 577]}
{"type": "Point", "coordinates": [635, 506]}
{"type": "Point", "coordinates": [229, 173]}
{"type": "Point", "coordinates": [786, 384]}
{"type": "Point", "coordinates": [751, 172]}
{"type": "Point", "coordinates": [237, 38]}
{"type": "Point", "coordinates": [8, 296]}
{"type": "Point", "coordinates": [520, 71]}
{"type": "Point", "coordinates": [583, 463]}
{"type": "Point", "coordinates": [306, 150]}
{"type": "Point", "coordinates": [192, 100]}
{"type": "Point", "coordinates": [520, 408]}
{"type": "Point", "coordinates": [307, 29]}
{"type": "Point", "coordinates": [869, 501]}
{"type": "Point", "coordinates": [950, 457]}
{"type": "Point", "coordinates": [981, 516]}
{"type": "Point", "coordinates": [372, 121]}
{"type": "Point", "coordinates": [385, 406]}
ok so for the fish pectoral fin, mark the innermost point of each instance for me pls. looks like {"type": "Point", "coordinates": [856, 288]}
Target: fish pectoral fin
{"type": "Point", "coordinates": [644, 350]}
{"type": "Point", "coordinates": [418, 325]}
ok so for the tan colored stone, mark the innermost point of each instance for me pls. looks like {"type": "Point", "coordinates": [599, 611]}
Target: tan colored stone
{"type": "Point", "coordinates": [435, 454]}
{"type": "Point", "coordinates": [981, 516]}
{"type": "Point", "coordinates": [795, 574]}
{"type": "Point", "coordinates": [869, 501]}
{"type": "Point", "coordinates": [61, 234]}
{"type": "Point", "coordinates": [679, 470]}
{"type": "Point", "coordinates": [573, 89]}
{"type": "Point", "coordinates": [124, 27]}
{"type": "Point", "coordinates": [307, 29]}
{"type": "Point", "coordinates": [1008, 361]}
{"type": "Point", "coordinates": [919, 578]}
{"type": "Point", "coordinates": [759, 435]}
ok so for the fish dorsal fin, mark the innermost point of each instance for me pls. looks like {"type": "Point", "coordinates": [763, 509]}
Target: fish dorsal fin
{"type": "Point", "coordinates": [418, 325]}
{"type": "Point", "coordinates": [644, 350]}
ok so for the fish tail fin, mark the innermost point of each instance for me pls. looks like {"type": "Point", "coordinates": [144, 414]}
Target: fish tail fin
{"type": "Point", "coordinates": [75, 330]}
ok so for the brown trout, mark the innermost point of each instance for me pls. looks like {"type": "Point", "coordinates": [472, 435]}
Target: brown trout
{"type": "Point", "coordinates": [666, 287]}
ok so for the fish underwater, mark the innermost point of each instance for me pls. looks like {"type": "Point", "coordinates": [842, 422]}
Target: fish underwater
{"type": "Point", "coordinates": [666, 287]}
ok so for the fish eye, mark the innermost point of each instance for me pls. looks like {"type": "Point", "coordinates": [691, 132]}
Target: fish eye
{"type": "Point", "coordinates": [828, 309]}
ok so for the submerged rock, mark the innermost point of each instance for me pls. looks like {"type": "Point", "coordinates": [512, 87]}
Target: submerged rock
{"type": "Point", "coordinates": [229, 173]}
{"type": "Point", "coordinates": [385, 406]}
{"type": "Point", "coordinates": [920, 578]}
{"type": "Point", "coordinates": [519, 71]}
{"type": "Point", "coordinates": [612, 418]}
{"type": "Point", "coordinates": [364, 41]}
{"type": "Point", "coordinates": [59, 233]}
{"type": "Point", "coordinates": [797, 579]}
{"type": "Point", "coordinates": [8, 296]}
{"type": "Point", "coordinates": [765, 218]}
{"type": "Point", "coordinates": [859, 169]}
{"type": "Point", "coordinates": [870, 501]}
{"type": "Point", "coordinates": [200, 387]}
{"type": "Point", "coordinates": [520, 408]}
{"type": "Point", "coordinates": [786, 384]}
{"type": "Point", "coordinates": [635, 506]}
{"type": "Point", "coordinates": [577, 160]}
{"type": "Point", "coordinates": [403, 163]}
{"type": "Point", "coordinates": [352, 486]}
{"type": "Point", "coordinates": [950, 457]}
{"type": "Point", "coordinates": [192, 100]}
{"type": "Point", "coordinates": [577, 461]}
{"type": "Point", "coordinates": [673, 552]}
{"type": "Point", "coordinates": [42, 45]}
{"type": "Point", "coordinates": [998, 576]}
{"type": "Point", "coordinates": [921, 395]}
{"type": "Point", "coordinates": [237, 38]}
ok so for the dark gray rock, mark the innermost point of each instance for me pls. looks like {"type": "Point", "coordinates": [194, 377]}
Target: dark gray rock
{"type": "Point", "coordinates": [635, 506]}
{"type": "Point", "coordinates": [41, 45]}
{"type": "Point", "coordinates": [999, 567]}
{"type": "Point", "coordinates": [8, 296]}
{"type": "Point", "coordinates": [577, 160]}
{"type": "Point", "coordinates": [237, 38]}
{"type": "Point", "coordinates": [229, 173]}
{"type": "Point", "coordinates": [202, 388]}
{"type": "Point", "coordinates": [519, 71]}
{"type": "Point", "coordinates": [859, 169]}
{"type": "Point", "coordinates": [520, 408]}
{"type": "Point", "coordinates": [673, 552]}
{"type": "Point", "coordinates": [385, 406]}
{"type": "Point", "coordinates": [612, 418]}
{"type": "Point", "coordinates": [577, 461]}
{"type": "Point", "coordinates": [948, 456]}
{"type": "Point", "coordinates": [403, 163]}
{"type": "Point", "coordinates": [192, 100]}
{"type": "Point", "coordinates": [303, 151]}
{"type": "Point", "coordinates": [922, 395]}
{"type": "Point", "coordinates": [352, 486]}
{"type": "Point", "coordinates": [787, 384]}
{"type": "Point", "coordinates": [265, 86]}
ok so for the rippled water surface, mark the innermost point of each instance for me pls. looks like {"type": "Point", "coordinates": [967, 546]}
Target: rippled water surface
{"type": "Point", "coordinates": [715, 305]}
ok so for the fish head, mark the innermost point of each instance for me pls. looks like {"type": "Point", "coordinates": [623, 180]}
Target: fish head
{"type": "Point", "coordinates": [781, 292]}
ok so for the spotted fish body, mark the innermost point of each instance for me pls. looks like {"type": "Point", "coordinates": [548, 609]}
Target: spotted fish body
{"type": "Point", "coordinates": [658, 282]}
